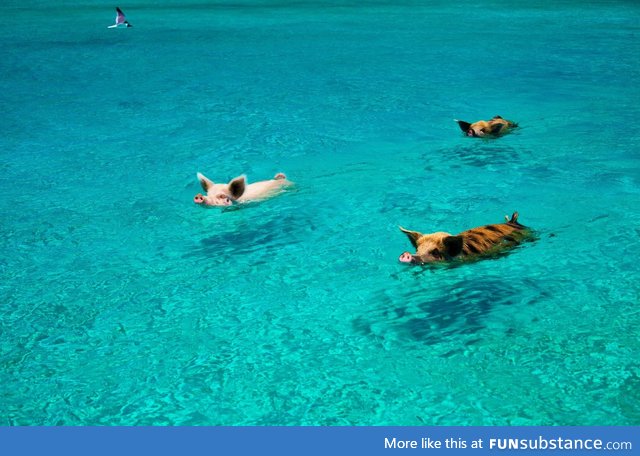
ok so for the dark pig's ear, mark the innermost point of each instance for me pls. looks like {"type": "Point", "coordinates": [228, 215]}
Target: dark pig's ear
{"type": "Point", "coordinates": [237, 187]}
{"type": "Point", "coordinates": [496, 128]}
{"type": "Point", "coordinates": [453, 245]}
{"type": "Point", "coordinates": [412, 235]}
{"type": "Point", "coordinates": [204, 181]}
{"type": "Point", "coordinates": [464, 126]}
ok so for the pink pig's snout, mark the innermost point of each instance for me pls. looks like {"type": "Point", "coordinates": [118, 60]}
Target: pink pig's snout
{"type": "Point", "coordinates": [219, 200]}
{"type": "Point", "coordinates": [406, 257]}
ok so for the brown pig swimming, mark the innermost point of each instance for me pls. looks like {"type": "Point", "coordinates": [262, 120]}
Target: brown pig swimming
{"type": "Point", "coordinates": [238, 191]}
{"type": "Point", "coordinates": [474, 243]}
{"type": "Point", "coordinates": [487, 128]}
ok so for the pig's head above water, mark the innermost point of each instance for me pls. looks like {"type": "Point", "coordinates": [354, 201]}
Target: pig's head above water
{"type": "Point", "coordinates": [432, 247]}
{"type": "Point", "coordinates": [476, 242]}
{"type": "Point", "coordinates": [220, 194]}
{"type": "Point", "coordinates": [487, 128]}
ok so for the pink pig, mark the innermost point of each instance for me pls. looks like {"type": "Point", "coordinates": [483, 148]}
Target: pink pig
{"type": "Point", "coordinates": [238, 191]}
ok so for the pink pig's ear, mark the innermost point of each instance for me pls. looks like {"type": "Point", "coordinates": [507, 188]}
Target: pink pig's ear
{"type": "Point", "coordinates": [237, 187]}
{"type": "Point", "coordinates": [205, 182]}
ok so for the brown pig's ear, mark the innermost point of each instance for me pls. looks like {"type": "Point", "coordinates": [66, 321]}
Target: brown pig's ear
{"type": "Point", "coordinates": [412, 235]}
{"type": "Point", "coordinates": [204, 181]}
{"type": "Point", "coordinates": [464, 126]}
{"type": "Point", "coordinates": [237, 187]}
{"type": "Point", "coordinates": [453, 245]}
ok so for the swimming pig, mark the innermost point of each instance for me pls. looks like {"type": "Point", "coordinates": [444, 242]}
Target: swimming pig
{"type": "Point", "coordinates": [494, 127]}
{"type": "Point", "coordinates": [476, 242]}
{"type": "Point", "coordinates": [238, 191]}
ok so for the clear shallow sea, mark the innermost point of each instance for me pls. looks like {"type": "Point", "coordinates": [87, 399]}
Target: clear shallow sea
{"type": "Point", "coordinates": [122, 303]}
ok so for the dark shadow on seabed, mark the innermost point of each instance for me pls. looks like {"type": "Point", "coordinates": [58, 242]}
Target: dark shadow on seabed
{"type": "Point", "coordinates": [456, 309]}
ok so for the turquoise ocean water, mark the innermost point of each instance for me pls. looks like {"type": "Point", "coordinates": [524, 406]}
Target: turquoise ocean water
{"type": "Point", "coordinates": [122, 303]}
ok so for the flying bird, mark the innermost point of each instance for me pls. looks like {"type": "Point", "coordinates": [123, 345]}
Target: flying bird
{"type": "Point", "coordinates": [120, 19]}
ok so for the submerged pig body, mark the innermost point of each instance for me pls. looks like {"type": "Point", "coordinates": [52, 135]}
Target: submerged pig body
{"type": "Point", "coordinates": [474, 243]}
{"type": "Point", "coordinates": [487, 128]}
{"type": "Point", "coordinates": [238, 191]}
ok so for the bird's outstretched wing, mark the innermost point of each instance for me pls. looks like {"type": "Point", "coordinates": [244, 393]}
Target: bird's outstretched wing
{"type": "Point", "coordinates": [120, 18]}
